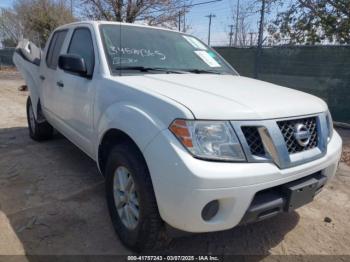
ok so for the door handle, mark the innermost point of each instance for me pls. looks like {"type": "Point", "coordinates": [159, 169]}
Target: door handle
{"type": "Point", "coordinates": [42, 77]}
{"type": "Point", "coordinates": [60, 84]}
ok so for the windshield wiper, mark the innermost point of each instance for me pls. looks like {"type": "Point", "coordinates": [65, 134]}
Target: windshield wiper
{"type": "Point", "coordinates": [147, 69]}
{"type": "Point", "coordinates": [201, 71]}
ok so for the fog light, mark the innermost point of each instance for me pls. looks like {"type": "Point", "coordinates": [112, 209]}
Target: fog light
{"type": "Point", "coordinates": [210, 210]}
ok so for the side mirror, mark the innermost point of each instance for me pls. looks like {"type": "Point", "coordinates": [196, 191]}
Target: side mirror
{"type": "Point", "coordinates": [72, 63]}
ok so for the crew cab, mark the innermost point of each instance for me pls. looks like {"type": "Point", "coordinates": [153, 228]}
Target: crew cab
{"type": "Point", "coordinates": [182, 140]}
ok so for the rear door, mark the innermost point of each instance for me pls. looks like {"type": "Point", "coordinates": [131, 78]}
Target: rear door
{"type": "Point", "coordinates": [48, 70]}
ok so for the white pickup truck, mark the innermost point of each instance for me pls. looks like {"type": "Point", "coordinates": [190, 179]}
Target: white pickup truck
{"type": "Point", "coordinates": [181, 139]}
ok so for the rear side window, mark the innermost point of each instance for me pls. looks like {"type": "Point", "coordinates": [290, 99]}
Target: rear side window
{"type": "Point", "coordinates": [81, 44]}
{"type": "Point", "coordinates": [55, 48]}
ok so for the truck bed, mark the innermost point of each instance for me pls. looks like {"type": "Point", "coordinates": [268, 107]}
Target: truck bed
{"type": "Point", "coordinates": [27, 60]}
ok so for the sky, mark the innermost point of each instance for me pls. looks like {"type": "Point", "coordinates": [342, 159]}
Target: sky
{"type": "Point", "coordinates": [198, 22]}
{"type": "Point", "coordinates": [224, 11]}
{"type": "Point", "coordinates": [5, 3]}
{"type": "Point", "coordinates": [220, 29]}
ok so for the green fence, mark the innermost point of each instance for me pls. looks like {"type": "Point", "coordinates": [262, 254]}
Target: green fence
{"type": "Point", "coordinates": [322, 71]}
{"type": "Point", "coordinates": [6, 57]}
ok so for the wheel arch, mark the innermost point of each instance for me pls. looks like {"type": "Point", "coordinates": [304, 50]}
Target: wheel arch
{"type": "Point", "coordinates": [111, 138]}
{"type": "Point", "coordinates": [33, 94]}
{"type": "Point", "coordinates": [124, 122]}
{"type": "Point", "coordinates": [36, 107]}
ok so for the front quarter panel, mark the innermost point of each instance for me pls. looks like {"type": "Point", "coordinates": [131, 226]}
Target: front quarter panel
{"type": "Point", "coordinates": [138, 113]}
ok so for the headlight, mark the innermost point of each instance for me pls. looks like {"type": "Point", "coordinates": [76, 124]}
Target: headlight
{"type": "Point", "coordinates": [214, 140]}
{"type": "Point", "coordinates": [329, 126]}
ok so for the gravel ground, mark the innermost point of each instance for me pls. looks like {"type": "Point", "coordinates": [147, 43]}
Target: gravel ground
{"type": "Point", "coordinates": [52, 202]}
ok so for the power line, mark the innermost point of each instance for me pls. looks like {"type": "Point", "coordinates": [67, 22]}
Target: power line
{"type": "Point", "coordinates": [203, 3]}
{"type": "Point", "coordinates": [185, 6]}
{"type": "Point", "coordinates": [202, 9]}
{"type": "Point", "coordinates": [184, 12]}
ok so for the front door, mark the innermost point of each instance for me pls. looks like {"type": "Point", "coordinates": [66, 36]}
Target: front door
{"type": "Point", "coordinates": [78, 91]}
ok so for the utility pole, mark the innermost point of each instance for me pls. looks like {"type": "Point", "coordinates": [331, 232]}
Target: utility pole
{"type": "Point", "coordinates": [184, 25]}
{"type": "Point", "coordinates": [210, 16]}
{"type": "Point", "coordinates": [71, 7]}
{"type": "Point", "coordinates": [179, 21]}
{"type": "Point", "coordinates": [261, 23]}
{"type": "Point", "coordinates": [260, 39]}
{"type": "Point", "coordinates": [231, 34]}
{"type": "Point", "coordinates": [251, 38]}
{"type": "Point", "coordinates": [237, 20]}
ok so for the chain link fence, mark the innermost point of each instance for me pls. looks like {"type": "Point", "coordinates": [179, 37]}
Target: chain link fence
{"type": "Point", "coordinates": [320, 70]}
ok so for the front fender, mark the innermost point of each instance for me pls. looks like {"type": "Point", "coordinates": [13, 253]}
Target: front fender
{"type": "Point", "coordinates": [138, 124]}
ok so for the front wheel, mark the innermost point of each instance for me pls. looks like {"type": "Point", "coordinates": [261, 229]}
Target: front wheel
{"type": "Point", "coordinates": [37, 131]}
{"type": "Point", "coordinates": [131, 200]}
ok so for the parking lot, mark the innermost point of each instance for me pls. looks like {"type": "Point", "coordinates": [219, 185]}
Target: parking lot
{"type": "Point", "coordinates": [52, 202]}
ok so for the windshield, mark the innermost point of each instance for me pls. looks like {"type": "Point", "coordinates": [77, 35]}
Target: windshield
{"type": "Point", "coordinates": [142, 49]}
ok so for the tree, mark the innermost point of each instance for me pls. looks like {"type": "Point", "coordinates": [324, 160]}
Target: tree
{"type": "Point", "coordinates": [241, 13]}
{"type": "Point", "coordinates": [153, 12]}
{"type": "Point", "coordinates": [8, 42]}
{"type": "Point", "coordinates": [314, 21]}
{"type": "Point", "coordinates": [10, 27]}
{"type": "Point", "coordinates": [266, 6]}
{"type": "Point", "coordinates": [40, 17]}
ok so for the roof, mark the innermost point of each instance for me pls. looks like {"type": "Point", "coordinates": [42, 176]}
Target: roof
{"type": "Point", "coordinates": [92, 22]}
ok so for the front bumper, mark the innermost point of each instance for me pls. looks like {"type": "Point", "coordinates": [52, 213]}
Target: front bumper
{"type": "Point", "coordinates": [183, 185]}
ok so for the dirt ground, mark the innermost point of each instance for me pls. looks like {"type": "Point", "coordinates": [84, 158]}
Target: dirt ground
{"type": "Point", "coordinates": [52, 202]}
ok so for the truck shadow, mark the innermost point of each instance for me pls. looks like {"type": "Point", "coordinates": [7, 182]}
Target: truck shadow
{"type": "Point", "coordinates": [252, 239]}
{"type": "Point", "coordinates": [53, 199]}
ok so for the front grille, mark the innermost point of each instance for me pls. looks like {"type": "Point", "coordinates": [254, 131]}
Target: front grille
{"type": "Point", "coordinates": [287, 128]}
{"type": "Point", "coordinates": [254, 140]}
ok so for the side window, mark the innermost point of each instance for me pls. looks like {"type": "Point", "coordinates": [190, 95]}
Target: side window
{"type": "Point", "coordinates": [50, 50]}
{"type": "Point", "coordinates": [55, 48]}
{"type": "Point", "coordinates": [81, 44]}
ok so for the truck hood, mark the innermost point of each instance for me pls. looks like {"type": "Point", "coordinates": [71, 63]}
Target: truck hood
{"type": "Point", "coordinates": [228, 97]}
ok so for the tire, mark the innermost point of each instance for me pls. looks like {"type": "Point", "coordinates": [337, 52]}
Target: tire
{"type": "Point", "coordinates": [37, 131]}
{"type": "Point", "coordinates": [149, 228]}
